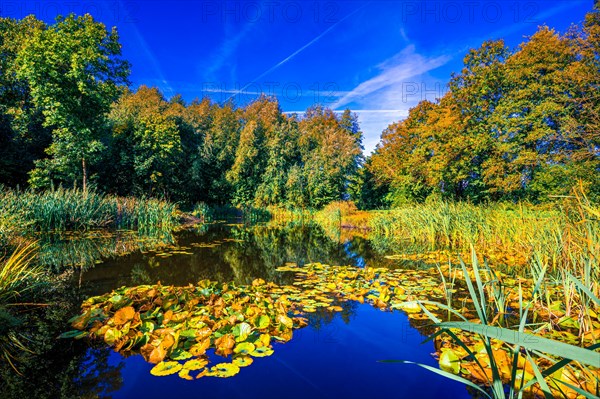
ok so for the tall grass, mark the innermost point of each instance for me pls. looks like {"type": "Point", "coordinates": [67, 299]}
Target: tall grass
{"type": "Point", "coordinates": [510, 360]}
{"type": "Point", "coordinates": [560, 235]}
{"type": "Point", "coordinates": [17, 274]}
{"type": "Point", "coordinates": [18, 279]}
{"type": "Point", "coordinates": [62, 209]}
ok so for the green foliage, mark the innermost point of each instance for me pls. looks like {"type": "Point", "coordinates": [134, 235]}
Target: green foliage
{"type": "Point", "coordinates": [73, 71]}
{"type": "Point", "coordinates": [64, 108]}
{"type": "Point", "coordinates": [146, 142]}
{"type": "Point", "coordinates": [22, 135]}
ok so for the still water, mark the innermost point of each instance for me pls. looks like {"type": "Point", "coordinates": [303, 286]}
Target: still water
{"type": "Point", "coordinates": [335, 356]}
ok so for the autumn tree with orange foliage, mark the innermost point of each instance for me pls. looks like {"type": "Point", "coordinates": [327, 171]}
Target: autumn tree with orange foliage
{"type": "Point", "coordinates": [514, 125]}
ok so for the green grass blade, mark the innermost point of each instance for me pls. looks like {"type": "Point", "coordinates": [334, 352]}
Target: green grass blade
{"type": "Point", "coordinates": [583, 288]}
{"type": "Point", "coordinates": [443, 373]}
{"type": "Point", "coordinates": [529, 341]}
{"type": "Point", "coordinates": [540, 379]}
{"type": "Point", "coordinates": [580, 391]}
{"type": "Point", "coordinates": [472, 293]}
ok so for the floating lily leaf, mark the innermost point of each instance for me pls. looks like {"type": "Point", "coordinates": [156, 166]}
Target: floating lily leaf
{"type": "Point", "coordinates": [80, 322]}
{"type": "Point", "coordinates": [225, 344]}
{"type": "Point", "coordinates": [408, 307]}
{"type": "Point", "coordinates": [195, 364]}
{"type": "Point", "coordinates": [261, 322]}
{"type": "Point", "coordinates": [165, 368]}
{"type": "Point", "coordinates": [200, 348]}
{"type": "Point", "coordinates": [111, 336]}
{"type": "Point", "coordinates": [285, 321]}
{"type": "Point", "coordinates": [124, 315]}
{"type": "Point", "coordinates": [180, 354]}
{"type": "Point", "coordinates": [147, 327]}
{"type": "Point", "coordinates": [224, 370]}
{"type": "Point", "coordinates": [189, 333]}
{"type": "Point", "coordinates": [185, 374]}
{"type": "Point", "coordinates": [244, 348]}
{"type": "Point", "coordinates": [264, 339]}
{"type": "Point", "coordinates": [241, 331]}
{"type": "Point", "coordinates": [449, 361]}
{"type": "Point", "coordinates": [263, 351]}
{"type": "Point", "coordinates": [243, 361]}
{"type": "Point", "coordinates": [153, 354]}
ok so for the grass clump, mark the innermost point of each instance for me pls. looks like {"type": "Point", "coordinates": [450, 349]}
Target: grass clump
{"type": "Point", "coordinates": [510, 358]}
{"type": "Point", "coordinates": [18, 279]}
{"type": "Point", "coordinates": [62, 209]}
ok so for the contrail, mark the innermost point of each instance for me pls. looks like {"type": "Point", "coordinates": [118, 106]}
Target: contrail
{"type": "Point", "coordinates": [295, 53]}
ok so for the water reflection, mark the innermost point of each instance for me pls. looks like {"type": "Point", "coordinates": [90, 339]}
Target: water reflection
{"type": "Point", "coordinates": [61, 251]}
{"type": "Point", "coordinates": [58, 368]}
{"type": "Point", "coordinates": [342, 340]}
{"type": "Point", "coordinates": [232, 253]}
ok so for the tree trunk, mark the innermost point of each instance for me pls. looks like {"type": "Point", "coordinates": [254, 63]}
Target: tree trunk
{"type": "Point", "coordinates": [84, 168]}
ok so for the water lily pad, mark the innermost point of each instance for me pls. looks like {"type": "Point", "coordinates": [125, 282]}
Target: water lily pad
{"type": "Point", "coordinates": [224, 370]}
{"type": "Point", "coordinates": [408, 307]}
{"type": "Point", "coordinates": [185, 374]}
{"type": "Point", "coordinates": [285, 321]}
{"type": "Point", "coordinates": [241, 331]}
{"type": "Point", "coordinates": [124, 315]}
{"type": "Point", "coordinates": [200, 348]}
{"type": "Point", "coordinates": [449, 361]}
{"type": "Point", "coordinates": [111, 336]}
{"type": "Point", "coordinates": [261, 322]}
{"type": "Point", "coordinates": [224, 345]}
{"type": "Point", "coordinates": [180, 354]}
{"type": "Point", "coordinates": [153, 354]}
{"type": "Point", "coordinates": [195, 364]}
{"type": "Point", "coordinates": [243, 361]}
{"type": "Point", "coordinates": [265, 339]}
{"type": "Point", "coordinates": [263, 351]}
{"type": "Point", "coordinates": [244, 348]}
{"type": "Point", "coordinates": [165, 368]}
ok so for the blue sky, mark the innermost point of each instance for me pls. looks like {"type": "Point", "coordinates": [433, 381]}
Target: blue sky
{"type": "Point", "coordinates": [378, 58]}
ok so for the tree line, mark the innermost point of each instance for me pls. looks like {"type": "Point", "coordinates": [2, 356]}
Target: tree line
{"type": "Point", "coordinates": [68, 117]}
{"type": "Point", "coordinates": [515, 124]}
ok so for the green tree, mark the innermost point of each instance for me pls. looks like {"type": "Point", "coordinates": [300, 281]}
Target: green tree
{"type": "Point", "coordinates": [145, 125]}
{"type": "Point", "coordinates": [74, 72]}
{"type": "Point", "coordinates": [330, 154]}
{"type": "Point", "coordinates": [22, 136]}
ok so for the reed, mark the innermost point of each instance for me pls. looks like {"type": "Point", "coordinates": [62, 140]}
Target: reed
{"type": "Point", "coordinates": [560, 235]}
{"type": "Point", "coordinates": [61, 209]}
{"type": "Point", "coordinates": [18, 275]}
{"type": "Point", "coordinates": [19, 279]}
{"type": "Point", "coordinates": [509, 362]}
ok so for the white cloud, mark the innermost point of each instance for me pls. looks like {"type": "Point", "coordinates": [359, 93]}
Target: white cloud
{"type": "Point", "coordinates": [401, 83]}
{"type": "Point", "coordinates": [227, 48]}
{"type": "Point", "coordinates": [396, 74]}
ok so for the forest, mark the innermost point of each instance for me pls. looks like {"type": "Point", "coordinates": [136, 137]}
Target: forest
{"type": "Point", "coordinates": [515, 124]}
{"type": "Point", "coordinates": [69, 119]}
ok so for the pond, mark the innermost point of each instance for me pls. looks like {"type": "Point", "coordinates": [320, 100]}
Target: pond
{"type": "Point", "coordinates": [336, 355]}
